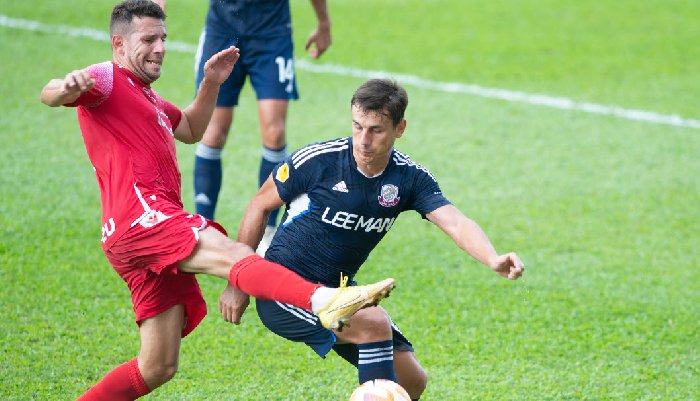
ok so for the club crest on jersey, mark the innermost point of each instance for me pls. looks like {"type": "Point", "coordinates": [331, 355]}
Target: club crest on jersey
{"type": "Point", "coordinates": [389, 195]}
{"type": "Point", "coordinates": [282, 173]}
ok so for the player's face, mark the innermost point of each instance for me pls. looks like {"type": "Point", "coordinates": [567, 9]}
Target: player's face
{"type": "Point", "coordinates": [373, 137]}
{"type": "Point", "coordinates": [142, 50]}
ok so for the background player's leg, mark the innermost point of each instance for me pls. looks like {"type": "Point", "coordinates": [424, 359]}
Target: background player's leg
{"type": "Point", "coordinates": [208, 173]}
{"type": "Point", "coordinates": [272, 114]}
{"type": "Point", "coordinates": [410, 374]}
{"type": "Point", "coordinates": [155, 365]}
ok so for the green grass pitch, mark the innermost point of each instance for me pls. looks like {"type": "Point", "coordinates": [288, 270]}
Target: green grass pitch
{"type": "Point", "coordinates": [604, 210]}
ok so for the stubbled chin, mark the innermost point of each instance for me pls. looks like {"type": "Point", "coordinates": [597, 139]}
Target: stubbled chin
{"type": "Point", "coordinates": [153, 69]}
{"type": "Point", "coordinates": [151, 76]}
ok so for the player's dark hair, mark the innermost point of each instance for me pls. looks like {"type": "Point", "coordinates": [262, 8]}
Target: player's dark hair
{"type": "Point", "coordinates": [124, 12]}
{"type": "Point", "coordinates": [379, 95]}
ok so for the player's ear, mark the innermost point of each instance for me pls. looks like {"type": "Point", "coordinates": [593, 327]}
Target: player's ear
{"type": "Point", "coordinates": [118, 44]}
{"type": "Point", "coordinates": [400, 127]}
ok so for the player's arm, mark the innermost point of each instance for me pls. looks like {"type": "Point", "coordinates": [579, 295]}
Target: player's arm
{"type": "Point", "coordinates": [58, 92]}
{"type": "Point", "coordinates": [252, 226]}
{"type": "Point", "coordinates": [196, 116]}
{"type": "Point", "coordinates": [471, 238]}
{"type": "Point", "coordinates": [320, 39]}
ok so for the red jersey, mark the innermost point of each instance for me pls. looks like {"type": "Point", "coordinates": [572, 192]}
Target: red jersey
{"type": "Point", "coordinates": [128, 134]}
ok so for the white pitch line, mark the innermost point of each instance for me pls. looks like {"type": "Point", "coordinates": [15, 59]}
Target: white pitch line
{"type": "Point", "coordinates": [412, 80]}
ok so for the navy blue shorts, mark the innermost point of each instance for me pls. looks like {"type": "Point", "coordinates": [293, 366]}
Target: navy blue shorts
{"type": "Point", "coordinates": [300, 325]}
{"type": "Point", "coordinates": [269, 62]}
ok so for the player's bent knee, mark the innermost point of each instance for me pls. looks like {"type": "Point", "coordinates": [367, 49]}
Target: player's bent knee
{"type": "Point", "coordinates": [215, 138]}
{"type": "Point", "coordinates": [157, 374]}
{"type": "Point", "coordinates": [375, 325]}
{"type": "Point", "coordinates": [168, 372]}
{"type": "Point", "coordinates": [274, 136]}
{"type": "Point", "coordinates": [219, 126]}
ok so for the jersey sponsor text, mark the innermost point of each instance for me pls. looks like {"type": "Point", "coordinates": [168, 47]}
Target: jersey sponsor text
{"type": "Point", "coordinates": [355, 222]}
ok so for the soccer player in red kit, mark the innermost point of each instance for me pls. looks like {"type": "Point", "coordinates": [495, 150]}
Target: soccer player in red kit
{"type": "Point", "coordinates": [152, 243]}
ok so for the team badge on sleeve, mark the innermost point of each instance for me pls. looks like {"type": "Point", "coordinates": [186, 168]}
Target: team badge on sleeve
{"type": "Point", "coordinates": [389, 195]}
{"type": "Point", "coordinates": [282, 173]}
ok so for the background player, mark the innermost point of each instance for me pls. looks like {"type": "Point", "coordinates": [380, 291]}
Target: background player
{"type": "Point", "coordinates": [152, 243]}
{"type": "Point", "coordinates": [342, 197]}
{"type": "Point", "coordinates": [263, 31]}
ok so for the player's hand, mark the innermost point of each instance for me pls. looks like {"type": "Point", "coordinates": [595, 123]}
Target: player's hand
{"type": "Point", "coordinates": [77, 82]}
{"type": "Point", "coordinates": [220, 65]}
{"type": "Point", "coordinates": [508, 265]}
{"type": "Point", "coordinates": [233, 303]}
{"type": "Point", "coordinates": [319, 41]}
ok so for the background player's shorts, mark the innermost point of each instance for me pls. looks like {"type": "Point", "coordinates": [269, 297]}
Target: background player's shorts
{"type": "Point", "coordinates": [300, 325]}
{"type": "Point", "coordinates": [268, 61]}
{"type": "Point", "coordinates": [145, 257]}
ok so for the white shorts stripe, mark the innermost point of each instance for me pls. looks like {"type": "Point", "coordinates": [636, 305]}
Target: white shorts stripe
{"type": "Point", "coordinates": [198, 52]}
{"type": "Point", "coordinates": [298, 312]}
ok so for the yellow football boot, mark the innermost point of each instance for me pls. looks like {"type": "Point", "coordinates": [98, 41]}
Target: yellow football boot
{"type": "Point", "coordinates": [348, 300]}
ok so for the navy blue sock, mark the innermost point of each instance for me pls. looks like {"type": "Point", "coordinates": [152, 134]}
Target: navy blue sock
{"type": "Point", "coordinates": [207, 179]}
{"type": "Point", "coordinates": [270, 158]}
{"type": "Point", "coordinates": [376, 361]}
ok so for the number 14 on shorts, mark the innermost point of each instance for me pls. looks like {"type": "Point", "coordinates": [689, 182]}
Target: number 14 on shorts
{"type": "Point", "coordinates": [286, 72]}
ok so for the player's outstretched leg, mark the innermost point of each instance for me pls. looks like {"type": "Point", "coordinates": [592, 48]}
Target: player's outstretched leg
{"type": "Point", "coordinates": [349, 300]}
{"type": "Point", "coordinates": [218, 255]}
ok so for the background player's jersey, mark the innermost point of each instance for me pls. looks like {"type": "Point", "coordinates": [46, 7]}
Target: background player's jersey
{"type": "Point", "coordinates": [336, 215]}
{"type": "Point", "coordinates": [128, 133]}
{"type": "Point", "coordinates": [259, 18]}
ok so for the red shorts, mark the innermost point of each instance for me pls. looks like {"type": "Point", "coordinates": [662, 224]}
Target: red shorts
{"type": "Point", "coordinates": [145, 258]}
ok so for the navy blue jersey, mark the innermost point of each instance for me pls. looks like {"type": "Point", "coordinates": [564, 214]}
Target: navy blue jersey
{"type": "Point", "coordinates": [242, 18]}
{"type": "Point", "coordinates": [336, 215]}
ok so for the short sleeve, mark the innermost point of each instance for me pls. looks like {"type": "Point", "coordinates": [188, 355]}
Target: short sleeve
{"type": "Point", "coordinates": [290, 181]}
{"type": "Point", "coordinates": [427, 195]}
{"type": "Point", "coordinates": [103, 74]}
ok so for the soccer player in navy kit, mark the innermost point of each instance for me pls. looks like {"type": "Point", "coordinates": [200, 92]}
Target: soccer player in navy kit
{"type": "Point", "coordinates": [262, 29]}
{"type": "Point", "coordinates": [342, 197]}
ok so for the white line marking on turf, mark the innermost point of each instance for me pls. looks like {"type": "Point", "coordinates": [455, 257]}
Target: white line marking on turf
{"type": "Point", "coordinates": [505, 94]}
{"type": "Point", "coordinates": [412, 80]}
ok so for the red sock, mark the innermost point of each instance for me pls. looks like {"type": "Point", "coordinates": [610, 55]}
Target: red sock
{"type": "Point", "coordinates": [266, 280]}
{"type": "Point", "coordinates": [123, 383]}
